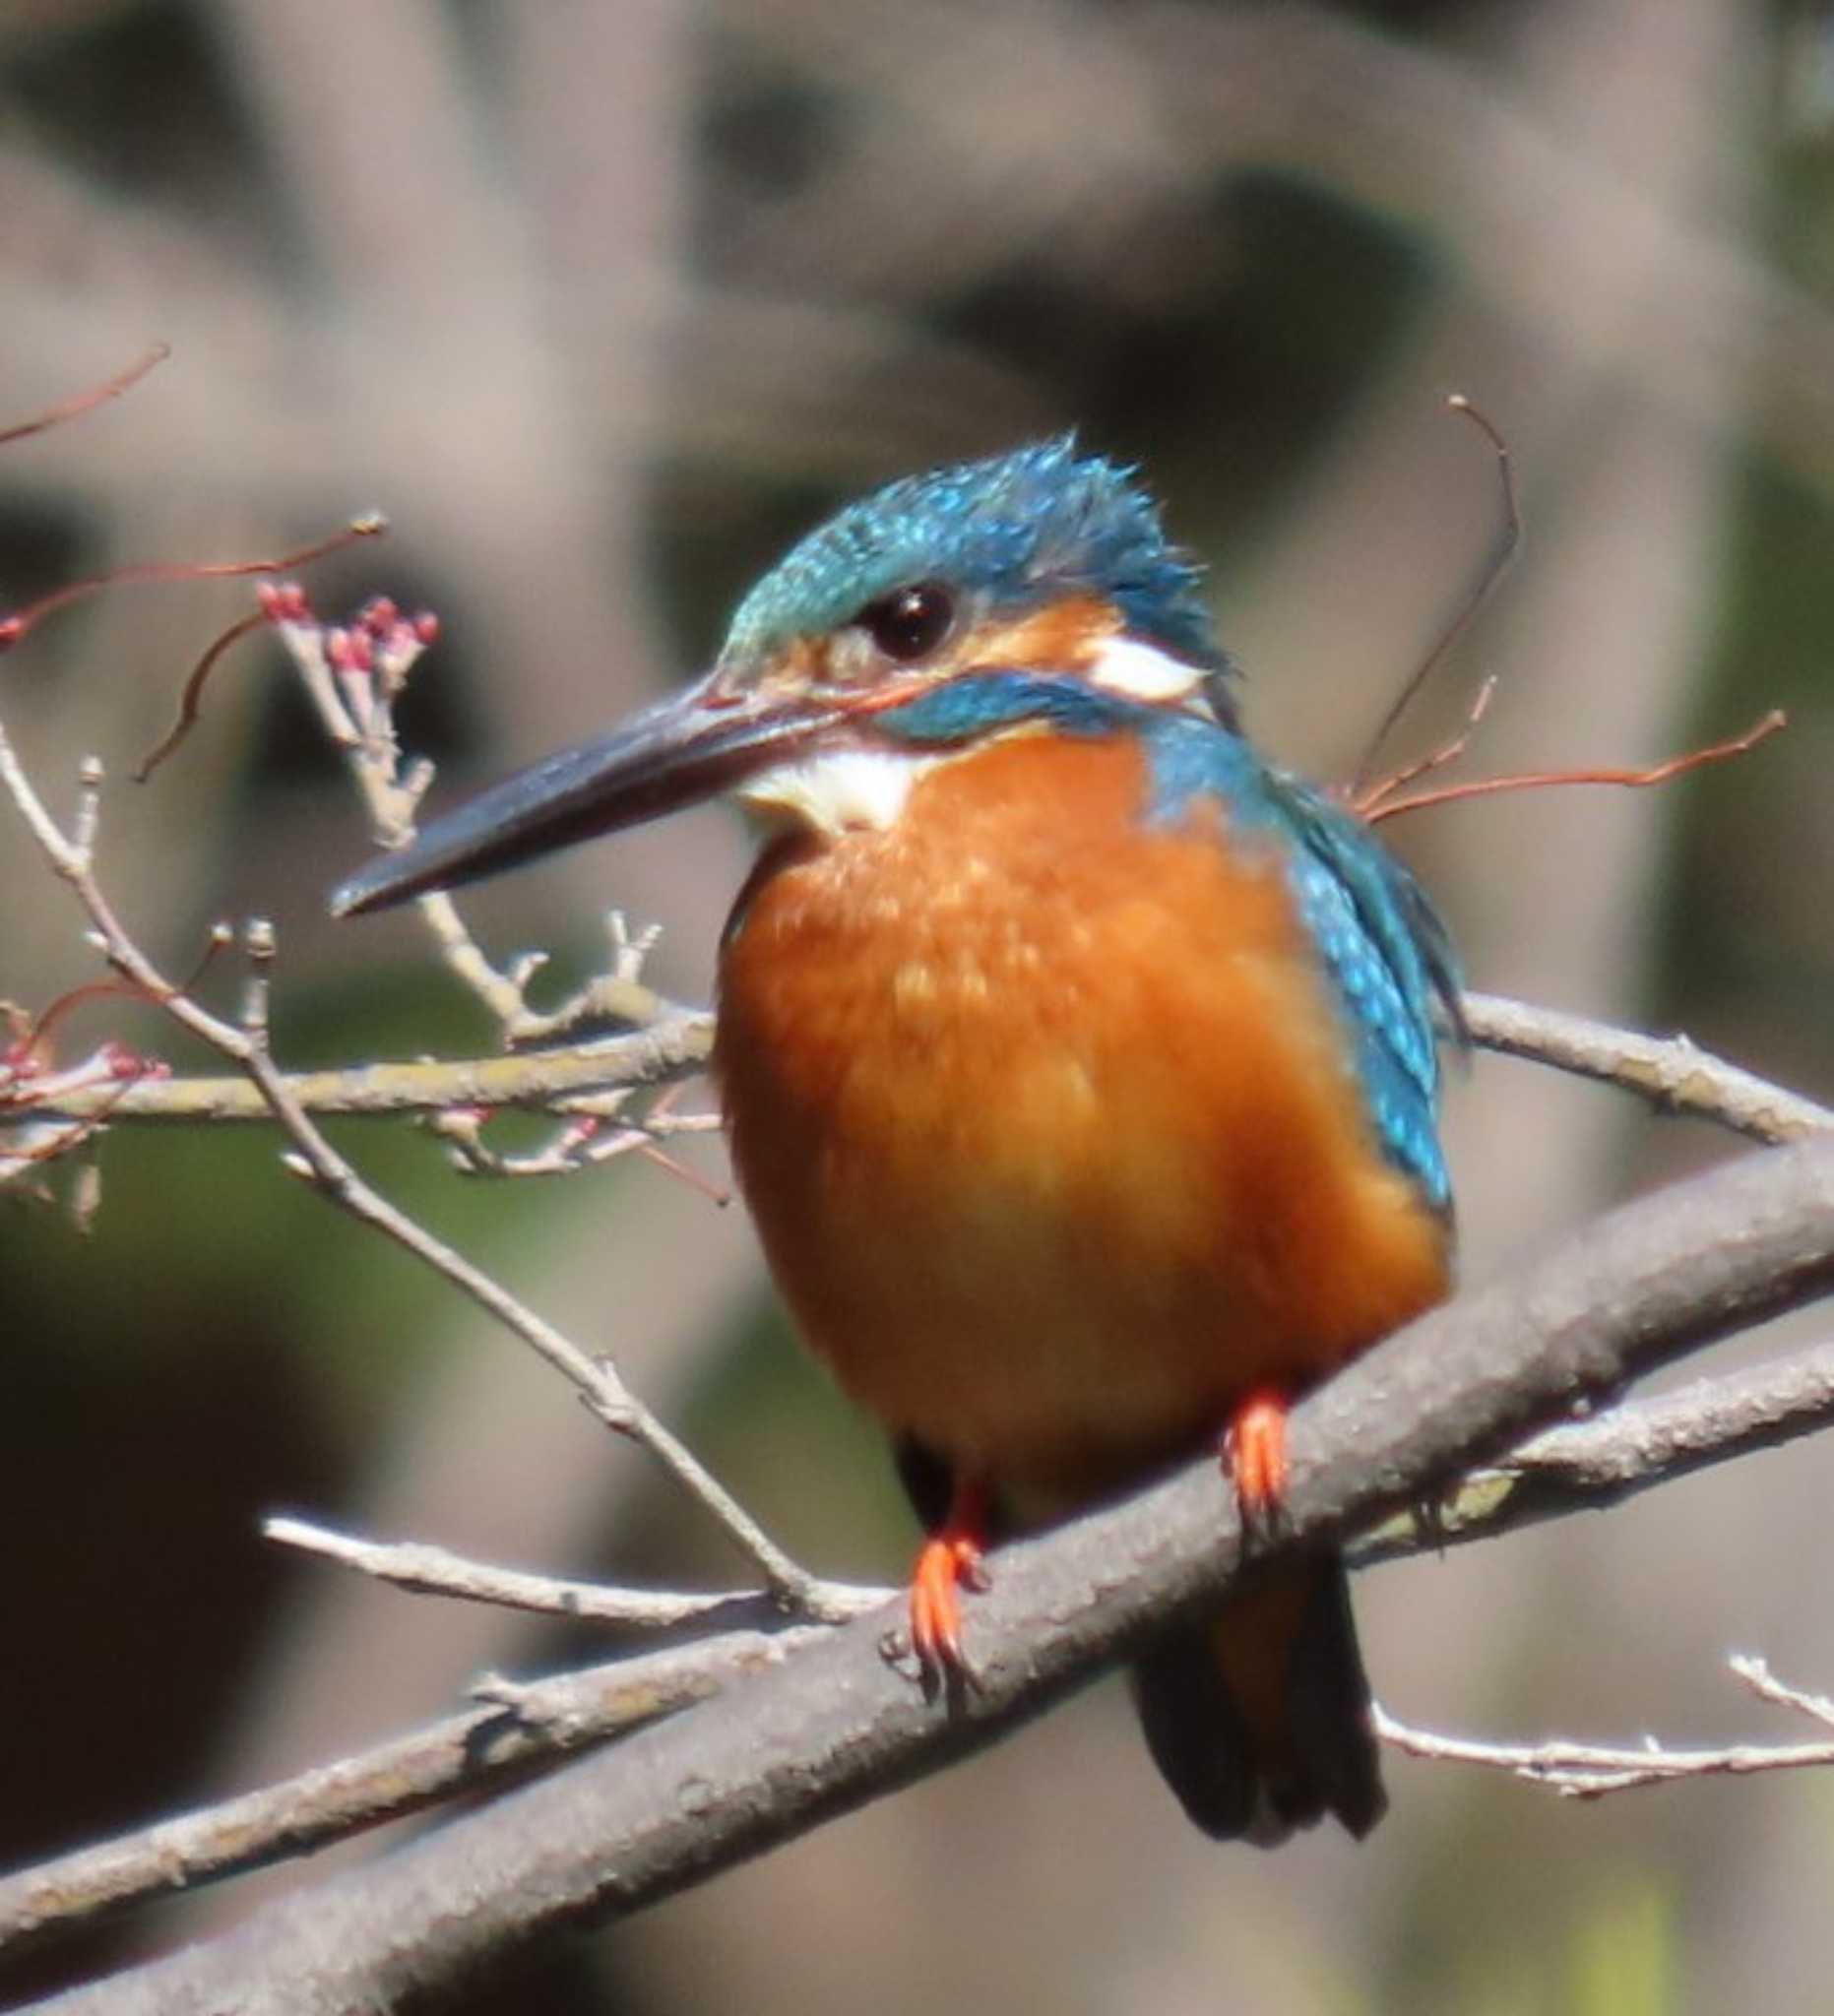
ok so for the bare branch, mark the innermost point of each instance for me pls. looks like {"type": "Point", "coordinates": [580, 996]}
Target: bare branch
{"type": "Point", "coordinates": [352, 676]}
{"type": "Point", "coordinates": [1758, 1675]}
{"type": "Point", "coordinates": [1589, 1771]}
{"type": "Point", "coordinates": [1589, 1466]}
{"type": "Point", "coordinates": [1704, 1422]}
{"type": "Point", "coordinates": [512, 1729]}
{"type": "Point", "coordinates": [436, 1571]}
{"type": "Point", "coordinates": [838, 1726]}
{"type": "Point", "coordinates": [1670, 1072]}
{"type": "Point", "coordinates": [669, 1042]}
{"type": "Point", "coordinates": [1577, 1467]}
{"type": "Point", "coordinates": [583, 1141]}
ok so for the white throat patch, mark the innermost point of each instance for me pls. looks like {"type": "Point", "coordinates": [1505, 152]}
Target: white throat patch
{"type": "Point", "coordinates": [1142, 671]}
{"type": "Point", "coordinates": [840, 790]}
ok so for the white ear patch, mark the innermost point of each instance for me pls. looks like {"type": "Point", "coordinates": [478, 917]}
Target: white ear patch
{"type": "Point", "coordinates": [1142, 671]}
{"type": "Point", "coordinates": [839, 790]}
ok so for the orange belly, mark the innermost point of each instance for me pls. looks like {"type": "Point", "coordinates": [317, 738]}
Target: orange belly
{"type": "Point", "coordinates": [1045, 1121]}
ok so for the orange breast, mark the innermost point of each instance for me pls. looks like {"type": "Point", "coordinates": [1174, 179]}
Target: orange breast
{"type": "Point", "coordinates": [1045, 1121]}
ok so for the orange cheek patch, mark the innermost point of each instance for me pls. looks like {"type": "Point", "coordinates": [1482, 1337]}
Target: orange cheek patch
{"type": "Point", "coordinates": [1063, 638]}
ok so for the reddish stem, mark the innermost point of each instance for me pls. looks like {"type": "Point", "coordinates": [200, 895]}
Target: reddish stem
{"type": "Point", "coordinates": [87, 401]}
{"type": "Point", "coordinates": [1538, 779]}
{"type": "Point", "coordinates": [18, 625]}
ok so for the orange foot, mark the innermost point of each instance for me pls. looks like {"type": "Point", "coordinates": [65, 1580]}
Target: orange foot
{"type": "Point", "coordinates": [950, 1561]}
{"type": "Point", "coordinates": [1255, 1453]}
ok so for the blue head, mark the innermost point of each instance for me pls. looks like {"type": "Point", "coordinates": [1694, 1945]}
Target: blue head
{"type": "Point", "coordinates": [1003, 539]}
{"type": "Point", "coordinates": [941, 608]}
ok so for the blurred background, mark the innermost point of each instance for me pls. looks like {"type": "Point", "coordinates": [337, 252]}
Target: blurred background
{"type": "Point", "coordinates": [604, 304]}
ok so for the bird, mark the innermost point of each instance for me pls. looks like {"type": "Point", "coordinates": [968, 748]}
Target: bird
{"type": "Point", "coordinates": [1079, 1065]}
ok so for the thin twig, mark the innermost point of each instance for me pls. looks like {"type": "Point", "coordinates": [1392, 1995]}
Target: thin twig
{"type": "Point", "coordinates": [191, 697]}
{"type": "Point", "coordinates": [1382, 805]}
{"type": "Point", "coordinates": [1495, 564]}
{"type": "Point", "coordinates": [1367, 800]}
{"type": "Point", "coordinates": [1577, 1467]}
{"type": "Point", "coordinates": [317, 1161]}
{"type": "Point", "coordinates": [16, 627]}
{"type": "Point", "coordinates": [583, 1140]}
{"type": "Point", "coordinates": [352, 676]}
{"type": "Point", "coordinates": [435, 1571]}
{"type": "Point", "coordinates": [87, 401]}
{"type": "Point", "coordinates": [1586, 1466]}
{"type": "Point", "coordinates": [1589, 1771]}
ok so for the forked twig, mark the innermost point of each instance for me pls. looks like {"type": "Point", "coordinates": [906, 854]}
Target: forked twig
{"type": "Point", "coordinates": [1590, 1771]}
{"type": "Point", "coordinates": [1495, 565]}
{"type": "Point", "coordinates": [1383, 806]}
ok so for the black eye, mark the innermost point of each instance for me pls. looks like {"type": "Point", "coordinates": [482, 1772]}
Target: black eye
{"type": "Point", "coordinates": [909, 623]}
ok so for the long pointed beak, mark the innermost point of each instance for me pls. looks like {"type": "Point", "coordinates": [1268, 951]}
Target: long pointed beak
{"type": "Point", "coordinates": [688, 747]}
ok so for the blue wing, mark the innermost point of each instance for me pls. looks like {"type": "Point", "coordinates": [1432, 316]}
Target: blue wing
{"type": "Point", "coordinates": [1383, 947]}
{"type": "Point", "coordinates": [1388, 956]}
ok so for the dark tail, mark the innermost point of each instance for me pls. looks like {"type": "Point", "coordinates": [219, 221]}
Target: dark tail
{"type": "Point", "coordinates": [1259, 1718]}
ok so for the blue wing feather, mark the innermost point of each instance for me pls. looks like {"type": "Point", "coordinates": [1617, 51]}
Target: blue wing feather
{"type": "Point", "coordinates": [1387, 956]}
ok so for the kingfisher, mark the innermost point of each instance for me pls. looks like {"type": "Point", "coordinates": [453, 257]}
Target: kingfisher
{"type": "Point", "coordinates": [1079, 1065]}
